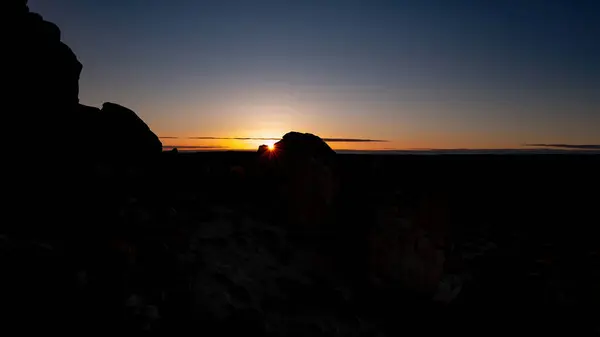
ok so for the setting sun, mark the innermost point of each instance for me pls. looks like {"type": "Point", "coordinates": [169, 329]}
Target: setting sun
{"type": "Point", "coordinates": [271, 147]}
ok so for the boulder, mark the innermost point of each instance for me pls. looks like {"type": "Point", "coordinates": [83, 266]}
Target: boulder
{"type": "Point", "coordinates": [128, 135]}
{"type": "Point", "coordinates": [115, 134]}
{"type": "Point", "coordinates": [302, 166]}
{"type": "Point", "coordinates": [296, 145]}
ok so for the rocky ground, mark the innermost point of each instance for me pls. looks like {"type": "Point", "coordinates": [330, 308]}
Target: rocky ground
{"type": "Point", "coordinates": [195, 262]}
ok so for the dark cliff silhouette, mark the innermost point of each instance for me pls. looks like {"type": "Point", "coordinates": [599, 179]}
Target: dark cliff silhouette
{"type": "Point", "coordinates": [44, 78]}
{"type": "Point", "coordinates": [68, 138]}
{"type": "Point", "coordinates": [61, 199]}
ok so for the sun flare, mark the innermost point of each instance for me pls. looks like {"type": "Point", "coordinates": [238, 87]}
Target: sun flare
{"type": "Point", "coordinates": [271, 147]}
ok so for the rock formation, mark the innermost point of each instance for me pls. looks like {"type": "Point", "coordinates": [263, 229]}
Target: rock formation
{"type": "Point", "coordinates": [42, 75]}
{"type": "Point", "coordinates": [69, 139]}
{"type": "Point", "coordinates": [129, 131]}
{"type": "Point", "coordinates": [117, 133]}
{"type": "Point", "coordinates": [45, 68]}
{"type": "Point", "coordinates": [59, 198]}
{"type": "Point", "coordinates": [44, 80]}
{"type": "Point", "coordinates": [302, 165]}
{"type": "Point", "coordinates": [298, 145]}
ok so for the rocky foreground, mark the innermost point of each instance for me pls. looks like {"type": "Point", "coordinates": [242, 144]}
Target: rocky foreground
{"type": "Point", "coordinates": [187, 260]}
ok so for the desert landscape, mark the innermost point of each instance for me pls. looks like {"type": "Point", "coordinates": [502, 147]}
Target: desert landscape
{"type": "Point", "coordinates": [115, 235]}
{"type": "Point", "coordinates": [208, 248]}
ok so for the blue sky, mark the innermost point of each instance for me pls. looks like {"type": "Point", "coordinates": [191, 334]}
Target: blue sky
{"type": "Point", "coordinates": [427, 74]}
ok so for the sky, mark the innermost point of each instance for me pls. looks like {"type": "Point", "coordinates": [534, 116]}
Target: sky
{"type": "Point", "coordinates": [410, 74]}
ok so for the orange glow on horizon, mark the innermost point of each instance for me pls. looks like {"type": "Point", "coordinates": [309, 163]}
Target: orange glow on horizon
{"type": "Point", "coordinates": [250, 141]}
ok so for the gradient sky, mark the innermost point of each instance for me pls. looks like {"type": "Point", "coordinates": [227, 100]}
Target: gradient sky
{"type": "Point", "coordinates": [421, 74]}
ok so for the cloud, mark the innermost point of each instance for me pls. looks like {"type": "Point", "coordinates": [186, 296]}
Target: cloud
{"type": "Point", "coordinates": [195, 146]}
{"type": "Point", "coordinates": [568, 146]}
{"type": "Point", "coordinates": [547, 151]}
{"type": "Point", "coordinates": [167, 137]}
{"type": "Point", "coordinates": [329, 140]}
{"type": "Point", "coordinates": [354, 140]}
{"type": "Point", "coordinates": [233, 138]}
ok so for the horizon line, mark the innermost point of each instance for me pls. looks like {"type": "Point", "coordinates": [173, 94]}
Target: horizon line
{"type": "Point", "coordinates": [190, 148]}
{"type": "Point", "coordinates": [330, 139]}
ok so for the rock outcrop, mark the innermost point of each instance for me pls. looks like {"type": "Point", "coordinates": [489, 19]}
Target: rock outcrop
{"type": "Point", "coordinates": [129, 132]}
{"type": "Point", "coordinates": [42, 75]}
{"type": "Point", "coordinates": [296, 145]}
{"type": "Point", "coordinates": [69, 139]}
{"type": "Point", "coordinates": [43, 78]}
{"type": "Point", "coordinates": [45, 69]}
{"type": "Point", "coordinates": [58, 198]}
{"type": "Point", "coordinates": [302, 166]}
{"type": "Point", "coordinates": [116, 133]}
